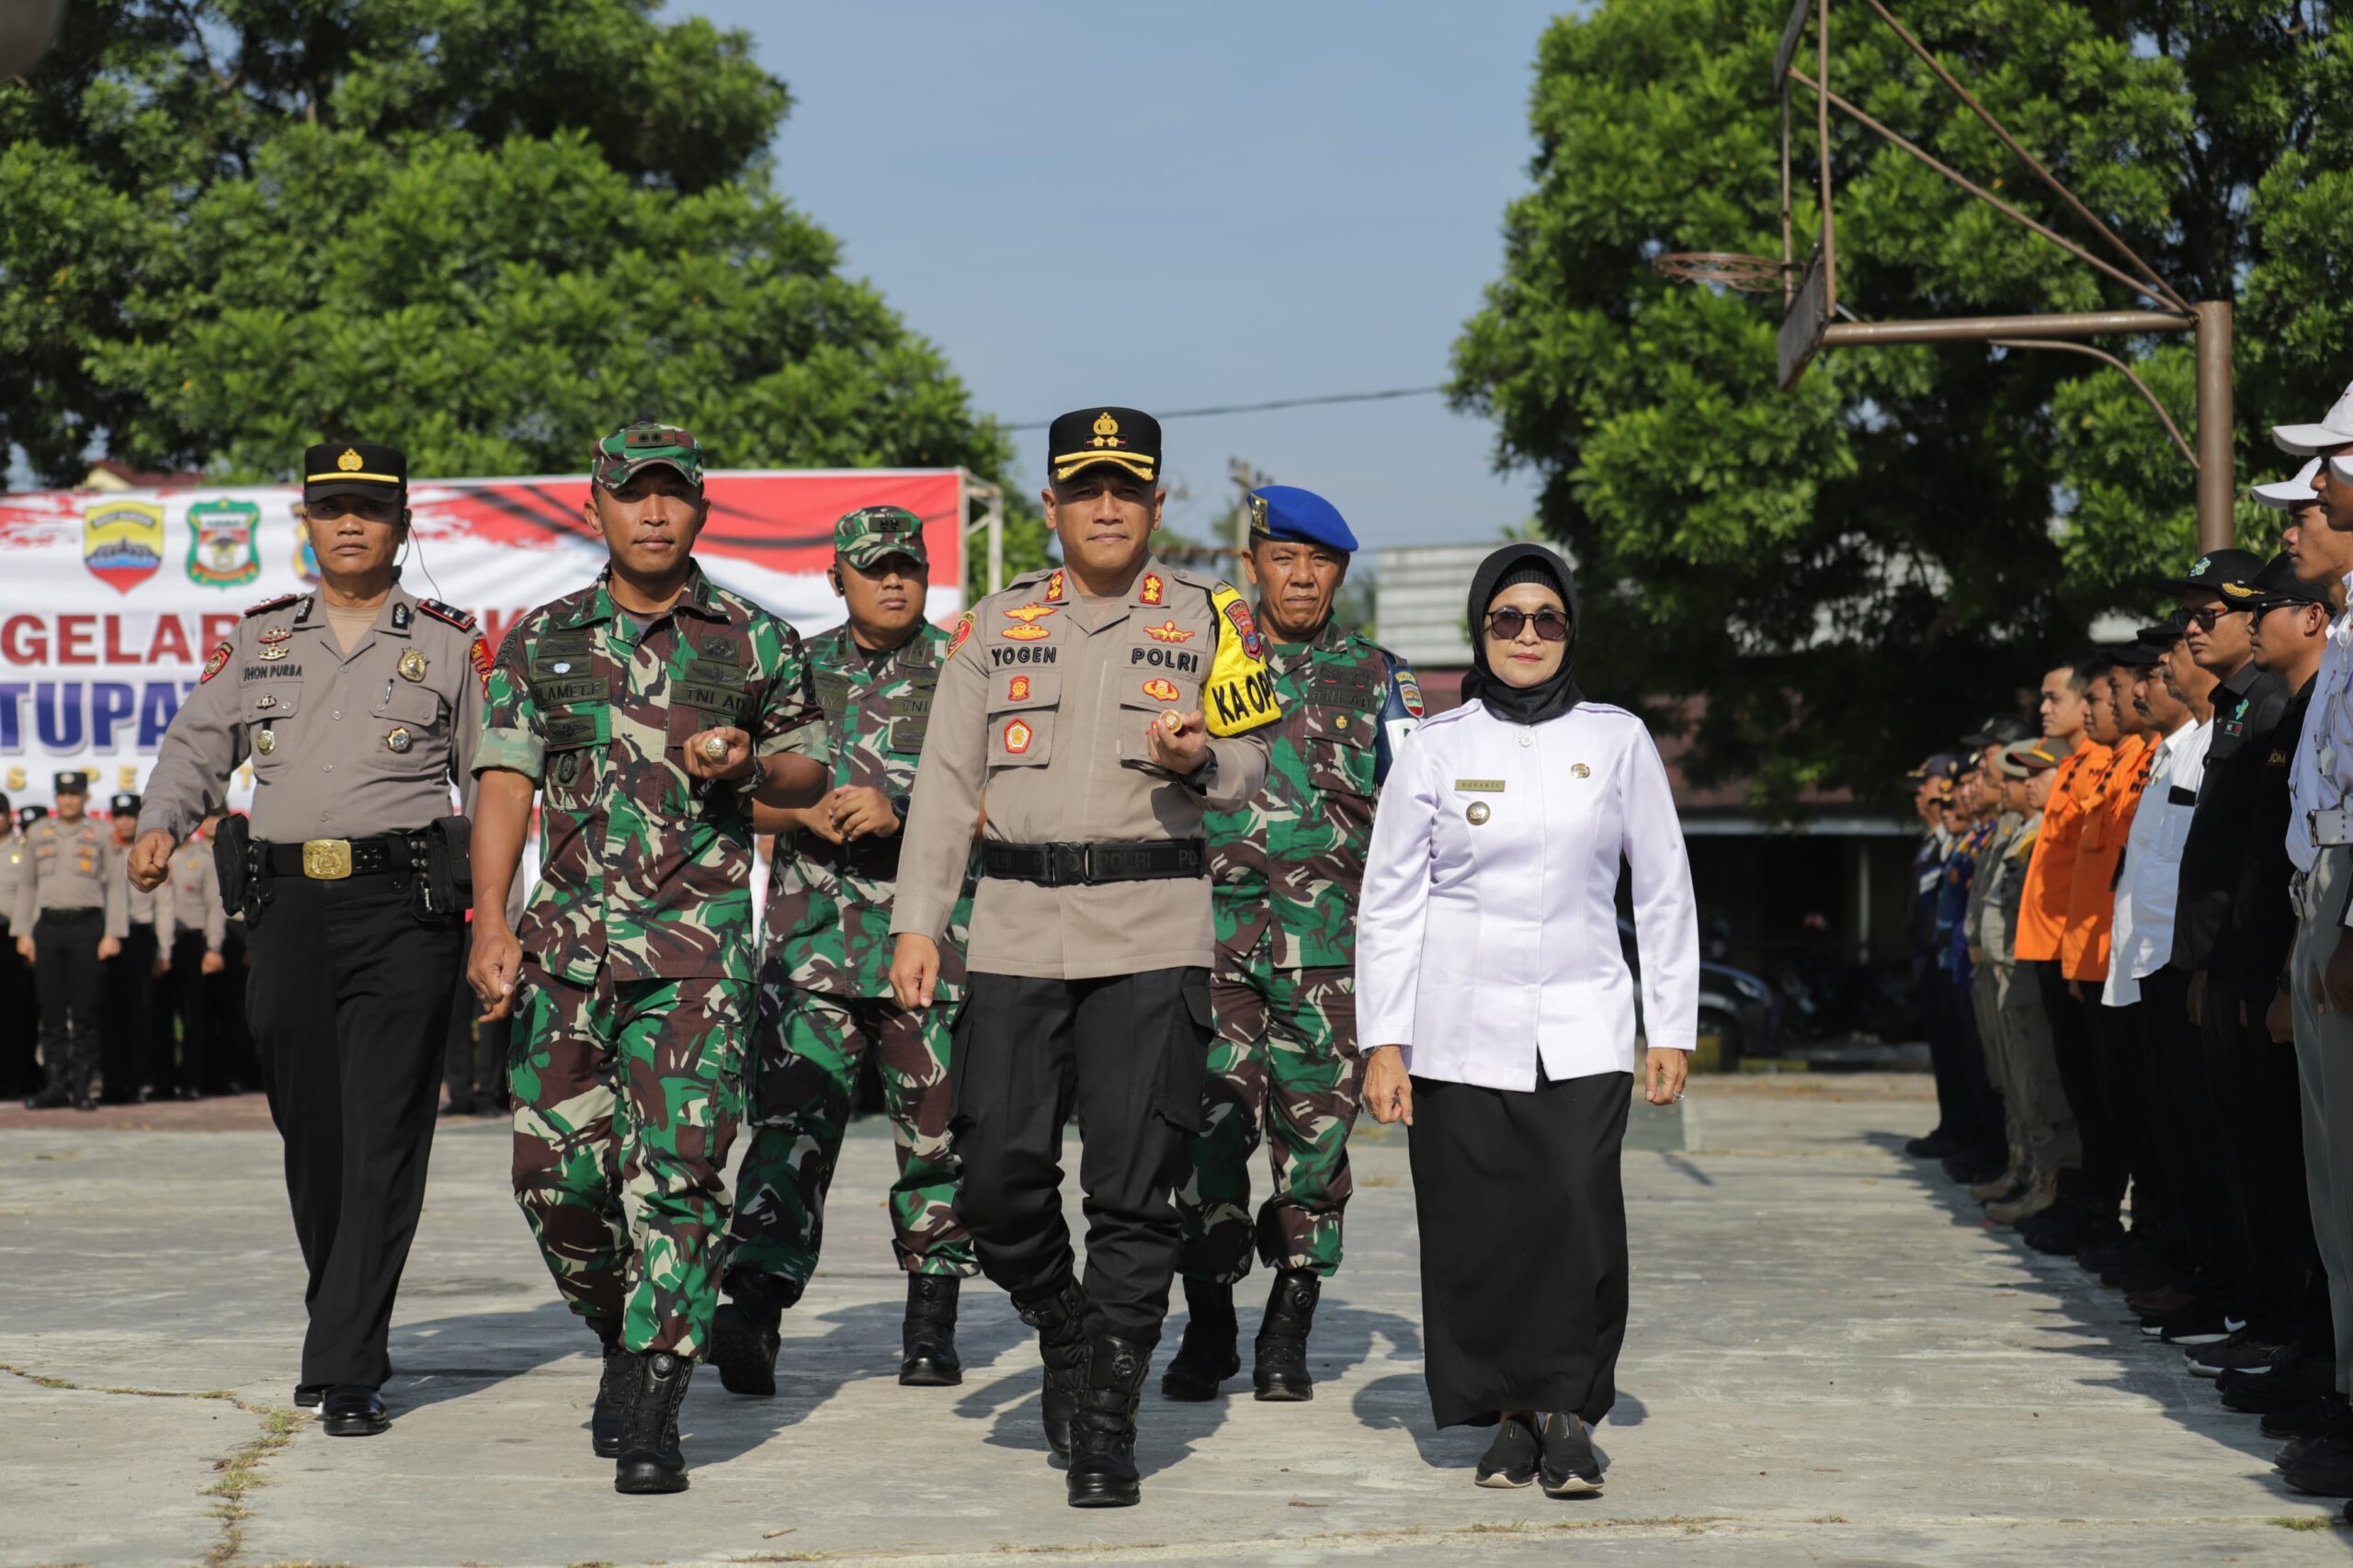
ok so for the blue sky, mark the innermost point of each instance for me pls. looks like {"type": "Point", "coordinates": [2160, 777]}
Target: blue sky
{"type": "Point", "coordinates": [1181, 206]}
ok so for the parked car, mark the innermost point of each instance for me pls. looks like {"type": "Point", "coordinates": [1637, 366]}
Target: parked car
{"type": "Point", "coordinates": [1735, 1006]}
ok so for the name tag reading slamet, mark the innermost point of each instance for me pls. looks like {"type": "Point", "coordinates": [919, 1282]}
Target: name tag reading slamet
{"type": "Point", "coordinates": [565, 692]}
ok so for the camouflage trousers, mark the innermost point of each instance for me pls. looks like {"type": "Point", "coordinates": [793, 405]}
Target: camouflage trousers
{"type": "Point", "coordinates": [808, 1049]}
{"type": "Point", "coordinates": [627, 1094]}
{"type": "Point", "coordinates": [1283, 1067]}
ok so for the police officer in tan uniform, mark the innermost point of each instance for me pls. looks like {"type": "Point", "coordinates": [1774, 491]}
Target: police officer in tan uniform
{"type": "Point", "coordinates": [192, 933]}
{"type": "Point", "coordinates": [358, 706]}
{"type": "Point", "coordinates": [19, 1075]}
{"type": "Point", "coordinates": [1104, 706]}
{"type": "Point", "coordinates": [131, 980]}
{"type": "Point", "coordinates": [69, 917]}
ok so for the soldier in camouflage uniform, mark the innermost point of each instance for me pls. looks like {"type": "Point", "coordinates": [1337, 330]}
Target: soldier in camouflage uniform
{"type": "Point", "coordinates": [1285, 871]}
{"type": "Point", "coordinates": [824, 996]}
{"type": "Point", "coordinates": [650, 708]}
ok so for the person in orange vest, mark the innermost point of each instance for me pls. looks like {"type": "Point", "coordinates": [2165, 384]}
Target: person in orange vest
{"type": "Point", "coordinates": [2088, 1195]}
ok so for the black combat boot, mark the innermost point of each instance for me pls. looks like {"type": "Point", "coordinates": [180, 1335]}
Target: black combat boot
{"type": "Point", "coordinates": [612, 1385]}
{"type": "Point", "coordinates": [744, 1331]}
{"type": "Point", "coordinates": [1103, 1438]}
{"type": "Point", "coordinates": [1207, 1355]}
{"type": "Point", "coordinates": [927, 1341]}
{"type": "Point", "coordinates": [1280, 1373]}
{"type": "Point", "coordinates": [654, 1386]}
{"type": "Point", "coordinates": [1060, 1318]}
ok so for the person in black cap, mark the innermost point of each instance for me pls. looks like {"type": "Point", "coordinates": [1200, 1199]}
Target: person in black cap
{"type": "Point", "coordinates": [358, 706]}
{"type": "Point", "coordinates": [1957, 1111]}
{"type": "Point", "coordinates": [69, 918]}
{"type": "Point", "coordinates": [130, 977]}
{"type": "Point", "coordinates": [1106, 705]}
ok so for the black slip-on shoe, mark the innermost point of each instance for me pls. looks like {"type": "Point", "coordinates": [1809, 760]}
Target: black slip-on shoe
{"type": "Point", "coordinates": [1511, 1460]}
{"type": "Point", "coordinates": [1569, 1467]}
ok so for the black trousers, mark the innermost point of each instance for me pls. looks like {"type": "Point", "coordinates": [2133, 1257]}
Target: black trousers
{"type": "Point", "coordinates": [350, 998]}
{"type": "Point", "coordinates": [19, 1021]}
{"type": "Point", "coordinates": [231, 1058]}
{"type": "Point", "coordinates": [1130, 1055]}
{"type": "Point", "coordinates": [475, 1070]}
{"type": "Point", "coordinates": [1522, 1217]}
{"type": "Point", "coordinates": [2103, 1175]}
{"type": "Point", "coordinates": [127, 980]}
{"type": "Point", "coordinates": [2258, 1114]}
{"type": "Point", "coordinates": [188, 996]}
{"type": "Point", "coordinates": [65, 974]}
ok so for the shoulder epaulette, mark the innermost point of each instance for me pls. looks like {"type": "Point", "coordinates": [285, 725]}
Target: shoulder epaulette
{"type": "Point", "coordinates": [449, 613]}
{"type": "Point", "coordinates": [280, 602]}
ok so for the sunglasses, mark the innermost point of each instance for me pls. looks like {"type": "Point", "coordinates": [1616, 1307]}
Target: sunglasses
{"type": "Point", "coordinates": [1505, 625]}
{"type": "Point", "coordinates": [2204, 619]}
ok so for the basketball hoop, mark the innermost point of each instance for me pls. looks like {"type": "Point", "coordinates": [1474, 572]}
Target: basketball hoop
{"type": "Point", "coordinates": [1724, 270]}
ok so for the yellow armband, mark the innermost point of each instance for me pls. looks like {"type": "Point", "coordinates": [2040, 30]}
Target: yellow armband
{"type": "Point", "coordinates": [1240, 694]}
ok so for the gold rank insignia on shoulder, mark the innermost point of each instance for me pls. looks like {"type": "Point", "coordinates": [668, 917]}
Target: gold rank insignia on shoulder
{"type": "Point", "coordinates": [398, 740]}
{"type": "Point", "coordinates": [1480, 785]}
{"type": "Point", "coordinates": [412, 665]}
{"type": "Point", "coordinates": [1581, 770]}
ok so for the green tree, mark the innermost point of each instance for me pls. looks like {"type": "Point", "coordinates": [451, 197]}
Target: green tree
{"type": "Point", "coordinates": [489, 230]}
{"type": "Point", "coordinates": [1854, 572]}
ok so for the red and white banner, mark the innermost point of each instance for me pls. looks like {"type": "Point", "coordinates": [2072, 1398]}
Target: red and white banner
{"type": "Point", "coordinates": [111, 599]}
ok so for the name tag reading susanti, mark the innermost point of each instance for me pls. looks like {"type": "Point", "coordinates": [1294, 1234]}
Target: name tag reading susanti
{"type": "Point", "coordinates": [1480, 785]}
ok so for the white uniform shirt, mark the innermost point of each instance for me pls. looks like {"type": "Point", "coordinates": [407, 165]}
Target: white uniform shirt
{"type": "Point", "coordinates": [1482, 945]}
{"type": "Point", "coordinates": [2148, 887]}
{"type": "Point", "coordinates": [2321, 777]}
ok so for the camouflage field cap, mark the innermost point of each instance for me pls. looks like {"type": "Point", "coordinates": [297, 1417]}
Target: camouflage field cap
{"type": "Point", "coordinates": [872, 534]}
{"type": "Point", "coordinates": [641, 445]}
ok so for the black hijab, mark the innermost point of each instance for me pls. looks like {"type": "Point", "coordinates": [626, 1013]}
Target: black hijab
{"type": "Point", "coordinates": [1558, 693]}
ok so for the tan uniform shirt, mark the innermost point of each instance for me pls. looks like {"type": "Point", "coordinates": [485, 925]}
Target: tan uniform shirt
{"type": "Point", "coordinates": [1044, 700]}
{"type": "Point", "coordinates": [12, 874]}
{"type": "Point", "coordinates": [70, 865]}
{"type": "Point", "coordinates": [344, 746]}
{"type": "Point", "coordinates": [189, 899]}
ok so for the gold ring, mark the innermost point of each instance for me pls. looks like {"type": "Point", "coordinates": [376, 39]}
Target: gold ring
{"type": "Point", "coordinates": [715, 747]}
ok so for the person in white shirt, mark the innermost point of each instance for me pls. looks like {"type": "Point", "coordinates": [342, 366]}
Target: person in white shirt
{"type": "Point", "coordinates": [1500, 1013]}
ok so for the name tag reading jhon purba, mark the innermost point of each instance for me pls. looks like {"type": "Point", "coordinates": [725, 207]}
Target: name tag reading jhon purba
{"type": "Point", "coordinates": [1480, 785]}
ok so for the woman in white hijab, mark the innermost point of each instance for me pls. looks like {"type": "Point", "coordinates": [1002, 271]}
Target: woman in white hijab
{"type": "Point", "coordinates": [1495, 1000]}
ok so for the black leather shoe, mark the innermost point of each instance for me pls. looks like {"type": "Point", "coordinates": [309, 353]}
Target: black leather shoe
{"type": "Point", "coordinates": [1103, 1438]}
{"type": "Point", "coordinates": [351, 1411]}
{"type": "Point", "coordinates": [53, 1098]}
{"type": "Point", "coordinates": [1569, 1468]}
{"type": "Point", "coordinates": [86, 1102]}
{"type": "Point", "coordinates": [308, 1396]}
{"type": "Point", "coordinates": [2324, 1468]}
{"type": "Point", "coordinates": [612, 1392]}
{"type": "Point", "coordinates": [655, 1385]}
{"type": "Point", "coordinates": [1279, 1372]}
{"type": "Point", "coordinates": [1060, 1320]}
{"type": "Point", "coordinates": [927, 1356]}
{"type": "Point", "coordinates": [744, 1342]}
{"type": "Point", "coordinates": [1933, 1146]}
{"type": "Point", "coordinates": [1511, 1459]}
{"type": "Point", "coordinates": [1208, 1353]}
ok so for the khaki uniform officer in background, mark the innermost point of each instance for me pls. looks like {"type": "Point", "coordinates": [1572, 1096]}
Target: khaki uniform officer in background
{"type": "Point", "coordinates": [359, 706]}
{"type": "Point", "coordinates": [69, 917]}
{"type": "Point", "coordinates": [1104, 706]}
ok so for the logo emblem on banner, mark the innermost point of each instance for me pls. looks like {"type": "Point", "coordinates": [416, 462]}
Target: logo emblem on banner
{"type": "Point", "coordinates": [122, 542]}
{"type": "Point", "coordinates": [306, 560]}
{"type": "Point", "coordinates": [225, 550]}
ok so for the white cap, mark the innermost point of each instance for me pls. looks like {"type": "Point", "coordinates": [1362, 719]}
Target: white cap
{"type": "Point", "coordinates": [2336, 429]}
{"type": "Point", "coordinates": [2289, 494]}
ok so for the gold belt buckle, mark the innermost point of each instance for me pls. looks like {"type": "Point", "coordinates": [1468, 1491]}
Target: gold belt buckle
{"type": "Point", "coordinates": [326, 859]}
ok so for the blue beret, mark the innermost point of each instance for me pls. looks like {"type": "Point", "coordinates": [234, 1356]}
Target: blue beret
{"type": "Point", "coordinates": [1287, 512]}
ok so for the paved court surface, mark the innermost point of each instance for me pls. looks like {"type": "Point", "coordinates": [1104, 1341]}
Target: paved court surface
{"type": "Point", "coordinates": [1832, 1361]}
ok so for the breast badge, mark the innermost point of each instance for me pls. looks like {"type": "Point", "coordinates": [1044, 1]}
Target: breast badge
{"type": "Point", "coordinates": [1161, 690]}
{"type": "Point", "coordinates": [266, 743]}
{"type": "Point", "coordinates": [1581, 770]}
{"type": "Point", "coordinates": [1478, 813]}
{"type": "Point", "coordinates": [399, 740]}
{"type": "Point", "coordinates": [412, 665]}
{"type": "Point", "coordinates": [1168, 631]}
{"type": "Point", "coordinates": [1017, 689]}
{"type": "Point", "coordinates": [1025, 634]}
{"type": "Point", "coordinates": [1017, 735]}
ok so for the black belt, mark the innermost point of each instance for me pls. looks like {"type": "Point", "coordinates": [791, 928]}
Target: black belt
{"type": "Point", "coordinates": [1069, 864]}
{"type": "Point", "coordinates": [332, 859]}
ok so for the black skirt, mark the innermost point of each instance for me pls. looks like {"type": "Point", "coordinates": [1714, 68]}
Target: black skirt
{"type": "Point", "coordinates": [1523, 1233]}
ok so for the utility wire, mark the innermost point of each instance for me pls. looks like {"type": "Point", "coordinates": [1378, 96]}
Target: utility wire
{"type": "Point", "coordinates": [1268, 408]}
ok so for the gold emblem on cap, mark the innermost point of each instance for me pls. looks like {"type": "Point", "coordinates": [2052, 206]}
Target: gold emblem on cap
{"type": "Point", "coordinates": [399, 739]}
{"type": "Point", "coordinates": [412, 665]}
{"type": "Point", "coordinates": [1106, 430]}
{"type": "Point", "coordinates": [1478, 813]}
{"type": "Point", "coordinates": [350, 462]}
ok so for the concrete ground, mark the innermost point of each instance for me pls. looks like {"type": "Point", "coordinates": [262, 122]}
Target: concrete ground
{"type": "Point", "coordinates": [1832, 1361]}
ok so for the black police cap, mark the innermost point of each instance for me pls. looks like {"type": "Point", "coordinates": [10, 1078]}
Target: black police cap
{"type": "Point", "coordinates": [2215, 568]}
{"type": "Point", "coordinates": [124, 805]}
{"type": "Point", "coordinates": [28, 815]}
{"type": "Point", "coordinates": [2001, 728]}
{"type": "Point", "coordinates": [2274, 585]}
{"type": "Point", "coordinates": [1125, 437]}
{"type": "Point", "coordinates": [354, 467]}
{"type": "Point", "coordinates": [71, 783]}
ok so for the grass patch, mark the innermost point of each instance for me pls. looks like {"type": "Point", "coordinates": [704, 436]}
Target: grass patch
{"type": "Point", "coordinates": [2303, 1522]}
